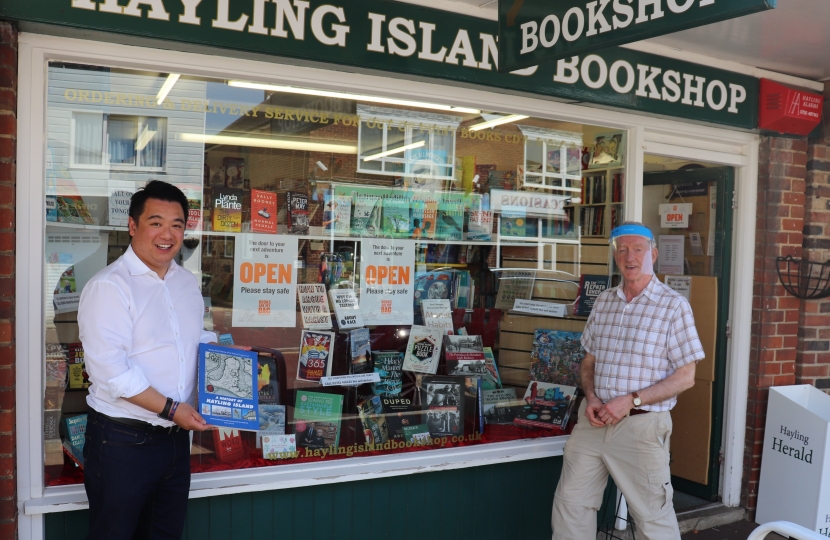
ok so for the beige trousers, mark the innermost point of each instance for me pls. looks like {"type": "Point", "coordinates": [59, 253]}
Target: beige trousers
{"type": "Point", "coordinates": [635, 452]}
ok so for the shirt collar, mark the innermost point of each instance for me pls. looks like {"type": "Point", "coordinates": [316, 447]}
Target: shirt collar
{"type": "Point", "coordinates": [137, 266]}
{"type": "Point", "coordinates": [649, 291]}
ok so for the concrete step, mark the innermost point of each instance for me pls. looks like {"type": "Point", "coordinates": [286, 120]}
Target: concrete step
{"type": "Point", "coordinates": [697, 519]}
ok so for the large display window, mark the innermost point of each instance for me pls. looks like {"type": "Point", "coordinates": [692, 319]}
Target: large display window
{"type": "Point", "coordinates": [412, 276]}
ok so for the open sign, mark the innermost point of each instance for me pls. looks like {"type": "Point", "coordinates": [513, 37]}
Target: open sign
{"type": "Point", "coordinates": [675, 216]}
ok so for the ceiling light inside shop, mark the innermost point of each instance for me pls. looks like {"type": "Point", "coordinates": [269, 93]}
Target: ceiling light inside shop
{"type": "Point", "coordinates": [282, 144]}
{"type": "Point", "coordinates": [356, 97]}
{"type": "Point", "coordinates": [166, 87]}
{"type": "Point", "coordinates": [395, 151]}
{"type": "Point", "coordinates": [498, 121]}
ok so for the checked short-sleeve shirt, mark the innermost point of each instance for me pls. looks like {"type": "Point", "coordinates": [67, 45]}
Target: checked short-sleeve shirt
{"type": "Point", "coordinates": [640, 343]}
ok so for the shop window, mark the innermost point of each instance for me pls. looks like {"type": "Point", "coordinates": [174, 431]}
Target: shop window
{"type": "Point", "coordinates": [444, 230]}
{"type": "Point", "coordinates": [119, 141]}
{"type": "Point", "coordinates": [399, 142]}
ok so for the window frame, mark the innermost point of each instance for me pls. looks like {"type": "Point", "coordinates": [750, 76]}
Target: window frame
{"type": "Point", "coordinates": [105, 154]}
{"type": "Point", "coordinates": [564, 141]}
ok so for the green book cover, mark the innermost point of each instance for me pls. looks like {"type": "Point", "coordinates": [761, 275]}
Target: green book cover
{"type": "Point", "coordinates": [513, 221]}
{"type": "Point", "coordinates": [396, 217]}
{"type": "Point", "coordinates": [389, 365]}
{"type": "Point", "coordinates": [317, 419]}
{"type": "Point", "coordinates": [450, 222]}
{"type": "Point", "coordinates": [417, 434]}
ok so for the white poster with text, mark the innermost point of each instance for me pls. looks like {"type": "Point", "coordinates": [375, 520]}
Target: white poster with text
{"type": "Point", "coordinates": [265, 280]}
{"type": "Point", "coordinates": [387, 281]}
{"type": "Point", "coordinates": [670, 257]}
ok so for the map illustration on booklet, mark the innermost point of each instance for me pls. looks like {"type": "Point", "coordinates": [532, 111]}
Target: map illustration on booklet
{"type": "Point", "coordinates": [227, 387]}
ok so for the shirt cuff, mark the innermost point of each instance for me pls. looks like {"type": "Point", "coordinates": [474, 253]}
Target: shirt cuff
{"type": "Point", "coordinates": [208, 337]}
{"type": "Point", "coordinates": [130, 383]}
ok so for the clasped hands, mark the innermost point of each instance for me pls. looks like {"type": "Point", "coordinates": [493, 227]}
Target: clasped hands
{"type": "Point", "coordinates": [608, 414]}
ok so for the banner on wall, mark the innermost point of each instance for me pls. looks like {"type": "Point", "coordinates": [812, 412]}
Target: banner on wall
{"type": "Point", "coordinates": [265, 280]}
{"type": "Point", "coordinates": [387, 281]}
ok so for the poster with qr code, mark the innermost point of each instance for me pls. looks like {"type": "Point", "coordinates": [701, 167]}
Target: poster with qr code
{"type": "Point", "coordinates": [387, 281]}
{"type": "Point", "coordinates": [265, 280]}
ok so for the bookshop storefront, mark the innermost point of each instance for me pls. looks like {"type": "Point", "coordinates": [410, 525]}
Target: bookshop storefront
{"type": "Point", "coordinates": [409, 239]}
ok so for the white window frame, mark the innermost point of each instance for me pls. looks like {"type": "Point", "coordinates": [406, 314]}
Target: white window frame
{"type": "Point", "coordinates": [552, 140]}
{"type": "Point", "coordinates": [105, 155]}
{"type": "Point", "coordinates": [645, 134]}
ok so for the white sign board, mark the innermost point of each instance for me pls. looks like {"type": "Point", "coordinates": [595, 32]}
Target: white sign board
{"type": "Point", "coordinates": [695, 242]}
{"type": "Point", "coordinates": [548, 309]}
{"type": "Point", "coordinates": [387, 281]}
{"type": "Point", "coordinates": [346, 308]}
{"type": "Point", "coordinates": [265, 280]}
{"type": "Point", "coordinates": [795, 469]}
{"type": "Point", "coordinates": [314, 305]}
{"type": "Point", "coordinates": [350, 380]}
{"type": "Point", "coordinates": [670, 254]}
{"type": "Point", "coordinates": [681, 284]}
{"type": "Point", "coordinates": [675, 216]}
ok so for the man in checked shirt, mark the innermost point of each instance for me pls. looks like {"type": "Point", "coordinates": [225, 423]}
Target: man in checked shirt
{"type": "Point", "coordinates": [642, 348]}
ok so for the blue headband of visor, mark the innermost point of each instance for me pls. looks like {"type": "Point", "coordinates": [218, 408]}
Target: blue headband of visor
{"type": "Point", "coordinates": [632, 230]}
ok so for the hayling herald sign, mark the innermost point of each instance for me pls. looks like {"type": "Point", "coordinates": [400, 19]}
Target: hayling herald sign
{"type": "Point", "coordinates": [416, 41]}
{"type": "Point", "coordinates": [536, 31]}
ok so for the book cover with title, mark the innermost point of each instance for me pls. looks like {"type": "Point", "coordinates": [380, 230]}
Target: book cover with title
{"type": "Point", "coordinates": [317, 419]}
{"type": "Point", "coordinates": [263, 211]}
{"type": "Point", "coordinates": [228, 387]}
{"type": "Point", "coordinates": [227, 210]}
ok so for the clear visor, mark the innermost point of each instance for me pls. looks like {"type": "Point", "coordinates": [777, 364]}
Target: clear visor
{"type": "Point", "coordinates": [638, 248]}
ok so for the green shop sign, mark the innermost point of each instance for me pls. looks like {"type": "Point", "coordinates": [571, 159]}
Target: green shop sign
{"type": "Point", "coordinates": [403, 38]}
{"type": "Point", "coordinates": [536, 31]}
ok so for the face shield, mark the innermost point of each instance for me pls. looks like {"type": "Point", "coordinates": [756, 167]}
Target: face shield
{"type": "Point", "coordinates": [625, 232]}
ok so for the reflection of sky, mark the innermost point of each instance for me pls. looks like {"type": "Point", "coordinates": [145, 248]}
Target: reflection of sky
{"type": "Point", "coordinates": [216, 122]}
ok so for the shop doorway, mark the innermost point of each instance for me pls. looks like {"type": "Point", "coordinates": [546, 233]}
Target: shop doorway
{"type": "Point", "coordinates": [695, 244]}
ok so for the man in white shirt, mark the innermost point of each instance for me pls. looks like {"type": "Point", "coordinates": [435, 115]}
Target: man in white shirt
{"type": "Point", "coordinates": [642, 348]}
{"type": "Point", "coordinates": [140, 323]}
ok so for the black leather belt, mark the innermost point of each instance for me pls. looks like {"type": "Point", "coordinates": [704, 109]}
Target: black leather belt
{"type": "Point", "coordinates": [137, 424]}
{"type": "Point", "coordinates": [635, 412]}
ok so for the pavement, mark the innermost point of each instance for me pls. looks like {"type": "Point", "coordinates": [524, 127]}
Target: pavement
{"type": "Point", "coordinates": [733, 531]}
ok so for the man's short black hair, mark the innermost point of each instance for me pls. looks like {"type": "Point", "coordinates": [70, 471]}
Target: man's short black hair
{"type": "Point", "coordinates": [156, 189]}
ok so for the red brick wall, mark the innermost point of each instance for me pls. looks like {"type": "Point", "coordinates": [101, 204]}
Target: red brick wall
{"type": "Point", "coordinates": [775, 314]}
{"type": "Point", "coordinates": [8, 139]}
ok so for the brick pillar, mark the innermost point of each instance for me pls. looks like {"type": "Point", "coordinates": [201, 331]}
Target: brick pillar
{"type": "Point", "coordinates": [775, 314]}
{"type": "Point", "coordinates": [8, 140]}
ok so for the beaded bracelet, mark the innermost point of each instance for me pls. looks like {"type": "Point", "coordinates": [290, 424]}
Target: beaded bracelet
{"type": "Point", "coordinates": [166, 410]}
{"type": "Point", "coordinates": [173, 410]}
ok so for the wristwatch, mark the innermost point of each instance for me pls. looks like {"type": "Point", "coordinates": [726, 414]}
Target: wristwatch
{"type": "Point", "coordinates": [637, 400]}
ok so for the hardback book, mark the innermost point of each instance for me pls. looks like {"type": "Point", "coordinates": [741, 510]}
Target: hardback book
{"type": "Point", "coordinates": [513, 221]}
{"type": "Point", "coordinates": [361, 351]}
{"type": "Point", "coordinates": [450, 220]}
{"type": "Point", "coordinates": [429, 222]}
{"type": "Point", "coordinates": [389, 366]}
{"type": "Point", "coordinates": [267, 383]}
{"type": "Point", "coordinates": [491, 377]}
{"type": "Point", "coordinates": [346, 308]}
{"type": "Point", "coordinates": [317, 419]}
{"type": "Point", "coordinates": [556, 357]}
{"type": "Point", "coordinates": [337, 214]}
{"type": "Point", "coordinates": [437, 314]}
{"type": "Point", "coordinates": [417, 434]}
{"type": "Point", "coordinates": [228, 444]}
{"type": "Point", "coordinates": [480, 225]}
{"type": "Point", "coordinates": [263, 211]}
{"type": "Point", "coordinates": [396, 219]}
{"type": "Point", "coordinates": [500, 405]}
{"type": "Point", "coordinates": [279, 446]}
{"type": "Point", "coordinates": [590, 287]}
{"type": "Point", "coordinates": [316, 350]}
{"type": "Point", "coordinates": [271, 421]}
{"type": "Point", "coordinates": [423, 350]}
{"type": "Point", "coordinates": [514, 285]}
{"type": "Point", "coordinates": [314, 305]}
{"type": "Point", "coordinates": [375, 429]}
{"type": "Point", "coordinates": [365, 220]}
{"type": "Point", "coordinates": [400, 411]}
{"type": "Point", "coordinates": [227, 209]}
{"type": "Point", "coordinates": [443, 405]}
{"type": "Point", "coordinates": [546, 406]}
{"type": "Point", "coordinates": [118, 205]}
{"type": "Point", "coordinates": [227, 387]}
{"type": "Point", "coordinates": [297, 204]}
{"type": "Point", "coordinates": [78, 377]}
{"type": "Point", "coordinates": [437, 285]}
{"type": "Point", "coordinates": [464, 355]}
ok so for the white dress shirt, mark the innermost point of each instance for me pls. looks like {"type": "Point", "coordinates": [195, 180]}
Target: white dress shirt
{"type": "Point", "coordinates": [140, 331]}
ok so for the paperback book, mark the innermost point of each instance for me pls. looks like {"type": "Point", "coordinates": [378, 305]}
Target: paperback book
{"type": "Point", "coordinates": [267, 383]}
{"type": "Point", "coordinates": [501, 405]}
{"type": "Point", "coordinates": [443, 403]}
{"type": "Point", "coordinates": [423, 350]}
{"type": "Point", "coordinates": [227, 209]}
{"type": "Point", "coordinates": [400, 412]}
{"type": "Point", "coordinates": [361, 351]}
{"type": "Point", "coordinates": [227, 383]}
{"type": "Point", "coordinates": [590, 287]}
{"type": "Point", "coordinates": [297, 204]}
{"type": "Point", "coordinates": [450, 220]}
{"type": "Point", "coordinates": [346, 308]}
{"type": "Point", "coordinates": [491, 377]}
{"type": "Point", "coordinates": [228, 444]}
{"type": "Point", "coordinates": [263, 211]}
{"type": "Point", "coordinates": [315, 355]}
{"type": "Point", "coordinates": [556, 357]}
{"type": "Point", "coordinates": [546, 406]}
{"type": "Point", "coordinates": [365, 221]}
{"type": "Point", "coordinates": [314, 305]}
{"type": "Point", "coordinates": [375, 428]}
{"type": "Point", "coordinates": [396, 217]}
{"type": "Point", "coordinates": [271, 421]}
{"type": "Point", "coordinates": [437, 285]}
{"type": "Point", "coordinates": [513, 221]}
{"type": "Point", "coordinates": [337, 214]}
{"type": "Point", "coordinates": [480, 225]}
{"type": "Point", "coordinates": [279, 446]}
{"type": "Point", "coordinates": [430, 219]}
{"type": "Point", "coordinates": [417, 434]}
{"type": "Point", "coordinates": [437, 315]}
{"type": "Point", "coordinates": [78, 377]}
{"type": "Point", "coordinates": [317, 419]}
{"type": "Point", "coordinates": [75, 437]}
{"type": "Point", "coordinates": [464, 355]}
{"type": "Point", "coordinates": [389, 366]}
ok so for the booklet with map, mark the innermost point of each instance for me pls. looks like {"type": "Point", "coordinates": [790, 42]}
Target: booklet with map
{"type": "Point", "coordinates": [228, 387]}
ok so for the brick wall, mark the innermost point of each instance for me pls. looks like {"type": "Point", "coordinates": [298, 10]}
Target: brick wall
{"type": "Point", "coordinates": [8, 139]}
{"type": "Point", "coordinates": [775, 314]}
